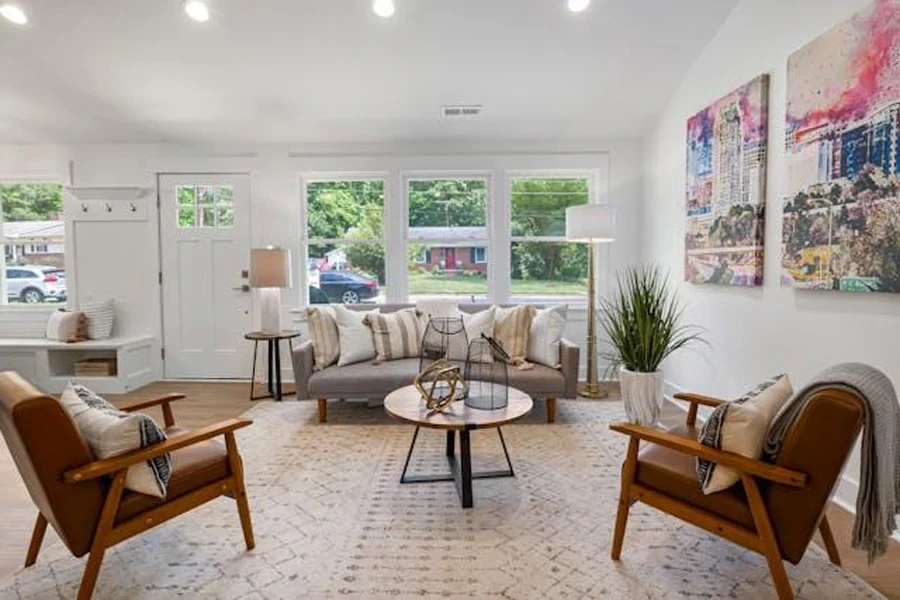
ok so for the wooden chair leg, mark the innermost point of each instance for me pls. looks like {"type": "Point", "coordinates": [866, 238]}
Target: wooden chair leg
{"type": "Point", "coordinates": [240, 492]}
{"type": "Point", "coordinates": [323, 410]}
{"type": "Point", "coordinates": [828, 537]}
{"type": "Point", "coordinates": [767, 537]}
{"type": "Point", "coordinates": [37, 538]}
{"type": "Point", "coordinates": [551, 410]}
{"type": "Point", "coordinates": [624, 498]}
{"type": "Point", "coordinates": [98, 547]}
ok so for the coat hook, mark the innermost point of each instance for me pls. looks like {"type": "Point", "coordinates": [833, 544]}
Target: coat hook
{"type": "Point", "coordinates": [133, 207]}
{"type": "Point", "coordinates": [108, 207]}
{"type": "Point", "coordinates": [84, 207]}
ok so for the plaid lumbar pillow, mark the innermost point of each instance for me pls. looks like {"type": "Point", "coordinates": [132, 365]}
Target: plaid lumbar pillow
{"type": "Point", "coordinates": [397, 334]}
{"type": "Point", "coordinates": [110, 432]}
{"type": "Point", "coordinates": [740, 426]}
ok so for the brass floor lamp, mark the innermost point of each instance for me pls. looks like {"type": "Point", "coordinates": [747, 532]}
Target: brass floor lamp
{"type": "Point", "coordinates": [593, 224]}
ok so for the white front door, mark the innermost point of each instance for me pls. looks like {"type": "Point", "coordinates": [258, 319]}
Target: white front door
{"type": "Point", "coordinates": [205, 241]}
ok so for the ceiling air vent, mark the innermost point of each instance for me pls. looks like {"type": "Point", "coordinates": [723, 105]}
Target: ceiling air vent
{"type": "Point", "coordinates": [461, 110]}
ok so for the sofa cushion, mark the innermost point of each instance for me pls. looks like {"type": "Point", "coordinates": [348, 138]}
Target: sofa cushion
{"type": "Point", "coordinates": [539, 380]}
{"type": "Point", "coordinates": [363, 380]}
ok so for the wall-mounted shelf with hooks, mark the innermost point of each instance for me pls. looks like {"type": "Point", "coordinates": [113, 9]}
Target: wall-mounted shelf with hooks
{"type": "Point", "coordinates": [107, 203]}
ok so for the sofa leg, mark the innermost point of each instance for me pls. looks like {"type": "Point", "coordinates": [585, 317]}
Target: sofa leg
{"type": "Point", "coordinates": [323, 409]}
{"type": "Point", "coordinates": [551, 410]}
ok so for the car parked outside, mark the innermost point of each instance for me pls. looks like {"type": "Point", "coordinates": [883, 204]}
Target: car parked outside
{"type": "Point", "coordinates": [34, 284]}
{"type": "Point", "coordinates": [347, 287]}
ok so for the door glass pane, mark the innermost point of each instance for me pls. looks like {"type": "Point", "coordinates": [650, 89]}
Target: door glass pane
{"type": "Point", "coordinates": [225, 217]}
{"type": "Point", "coordinates": [206, 206]}
{"type": "Point", "coordinates": [207, 215]}
{"type": "Point", "coordinates": [186, 216]}
{"type": "Point", "coordinates": [548, 272]}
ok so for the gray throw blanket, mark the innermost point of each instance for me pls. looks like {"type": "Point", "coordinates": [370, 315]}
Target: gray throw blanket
{"type": "Point", "coordinates": [878, 498]}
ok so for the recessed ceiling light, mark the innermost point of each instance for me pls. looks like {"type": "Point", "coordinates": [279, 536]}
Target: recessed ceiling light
{"type": "Point", "coordinates": [579, 5]}
{"type": "Point", "coordinates": [383, 8]}
{"type": "Point", "coordinates": [13, 13]}
{"type": "Point", "coordinates": [197, 10]}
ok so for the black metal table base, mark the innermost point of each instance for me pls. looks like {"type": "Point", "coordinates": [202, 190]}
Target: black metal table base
{"type": "Point", "coordinates": [273, 382]}
{"type": "Point", "coordinates": [460, 470]}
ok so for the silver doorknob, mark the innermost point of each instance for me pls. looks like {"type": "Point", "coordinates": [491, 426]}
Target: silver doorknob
{"type": "Point", "coordinates": [244, 288]}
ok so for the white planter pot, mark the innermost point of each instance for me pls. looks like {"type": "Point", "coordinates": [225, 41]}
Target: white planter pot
{"type": "Point", "coordinates": [642, 394]}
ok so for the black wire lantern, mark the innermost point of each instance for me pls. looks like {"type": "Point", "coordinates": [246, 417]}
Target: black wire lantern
{"type": "Point", "coordinates": [444, 338]}
{"type": "Point", "coordinates": [486, 374]}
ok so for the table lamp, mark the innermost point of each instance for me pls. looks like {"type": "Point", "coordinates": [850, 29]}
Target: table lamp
{"type": "Point", "coordinates": [593, 224]}
{"type": "Point", "coordinates": [270, 270]}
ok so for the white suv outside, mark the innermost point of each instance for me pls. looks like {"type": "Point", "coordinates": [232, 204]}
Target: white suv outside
{"type": "Point", "coordinates": [34, 284]}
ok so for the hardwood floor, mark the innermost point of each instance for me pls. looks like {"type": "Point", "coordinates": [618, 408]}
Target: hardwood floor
{"type": "Point", "coordinates": [207, 403]}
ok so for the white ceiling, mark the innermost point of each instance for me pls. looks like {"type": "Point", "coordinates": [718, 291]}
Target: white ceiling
{"type": "Point", "coordinates": [266, 71]}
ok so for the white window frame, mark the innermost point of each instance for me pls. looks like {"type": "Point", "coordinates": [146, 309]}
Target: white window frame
{"type": "Point", "coordinates": [593, 177]}
{"type": "Point", "coordinates": [484, 255]}
{"type": "Point", "coordinates": [4, 300]}
{"type": "Point", "coordinates": [306, 241]}
{"type": "Point", "coordinates": [440, 175]}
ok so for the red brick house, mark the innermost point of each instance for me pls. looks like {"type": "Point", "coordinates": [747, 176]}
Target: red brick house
{"type": "Point", "coordinates": [451, 249]}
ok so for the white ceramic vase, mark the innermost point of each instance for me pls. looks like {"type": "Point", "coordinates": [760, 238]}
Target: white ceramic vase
{"type": "Point", "coordinates": [642, 394]}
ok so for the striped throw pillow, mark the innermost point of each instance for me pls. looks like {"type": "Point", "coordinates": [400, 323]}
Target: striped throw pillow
{"type": "Point", "coordinates": [323, 333]}
{"type": "Point", "coordinates": [511, 327]}
{"type": "Point", "coordinates": [99, 318]}
{"type": "Point", "coordinates": [397, 334]}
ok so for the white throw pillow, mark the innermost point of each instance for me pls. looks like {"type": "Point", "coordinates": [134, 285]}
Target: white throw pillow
{"type": "Point", "coordinates": [740, 426]}
{"type": "Point", "coordinates": [545, 335]}
{"type": "Point", "coordinates": [100, 319]}
{"type": "Point", "coordinates": [110, 432]}
{"type": "Point", "coordinates": [439, 308]}
{"type": "Point", "coordinates": [477, 324]}
{"type": "Point", "coordinates": [356, 340]}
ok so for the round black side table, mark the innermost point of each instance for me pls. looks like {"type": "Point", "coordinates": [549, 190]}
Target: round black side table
{"type": "Point", "coordinates": [274, 380]}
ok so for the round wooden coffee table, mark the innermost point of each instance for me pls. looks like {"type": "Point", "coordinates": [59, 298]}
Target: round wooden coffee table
{"type": "Point", "coordinates": [407, 405]}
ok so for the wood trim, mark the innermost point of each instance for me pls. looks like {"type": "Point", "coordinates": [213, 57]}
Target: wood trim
{"type": "Point", "coordinates": [551, 410]}
{"type": "Point", "coordinates": [628, 470]}
{"type": "Point", "coordinates": [699, 399]}
{"type": "Point", "coordinates": [101, 535]}
{"type": "Point", "coordinates": [37, 538]}
{"type": "Point", "coordinates": [828, 538]}
{"type": "Point", "coordinates": [767, 537]}
{"type": "Point", "coordinates": [171, 509]}
{"type": "Point", "coordinates": [695, 516]}
{"type": "Point", "coordinates": [164, 400]}
{"type": "Point", "coordinates": [743, 464]}
{"type": "Point", "coordinates": [109, 466]}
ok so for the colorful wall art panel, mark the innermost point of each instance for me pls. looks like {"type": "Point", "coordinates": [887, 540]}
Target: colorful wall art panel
{"type": "Point", "coordinates": [842, 211]}
{"type": "Point", "coordinates": [726, 188]}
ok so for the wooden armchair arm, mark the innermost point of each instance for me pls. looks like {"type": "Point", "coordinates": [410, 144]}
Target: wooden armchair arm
{"type": "Point", "coordinates": [696, 400]}
{"type": "Point", "coordinates": [750, 466]}
{"type": "Point", "coordinates": [162, 400]}
{"type": "Point", "coordinates": [107, 466]}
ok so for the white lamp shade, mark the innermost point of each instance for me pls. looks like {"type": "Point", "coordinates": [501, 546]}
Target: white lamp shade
{"type": "Point", "coordinates": [590, 223]}
{"type": "Point", "coordinates": [270, 268]}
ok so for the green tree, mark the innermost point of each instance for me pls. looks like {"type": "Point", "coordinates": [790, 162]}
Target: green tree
{"type": "Point", "coordinates": [448, 202]}
{"type": "Point", "coordinates": [32, 201]}
{"type": "Point", "coordinates": [367, 257]}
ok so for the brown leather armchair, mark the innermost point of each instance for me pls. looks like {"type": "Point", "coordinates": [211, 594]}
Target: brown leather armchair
{"type": "Point", "coordinates": [776, 509]}
{"type": "Point", "coordinates": [85, 500]}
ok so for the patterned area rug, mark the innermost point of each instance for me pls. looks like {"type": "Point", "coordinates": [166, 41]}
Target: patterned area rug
{"type": "Point", "coordinates": [331, 519]}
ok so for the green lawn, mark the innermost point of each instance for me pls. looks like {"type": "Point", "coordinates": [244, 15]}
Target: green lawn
{"type": "Point", "coordinates": [424, 282]}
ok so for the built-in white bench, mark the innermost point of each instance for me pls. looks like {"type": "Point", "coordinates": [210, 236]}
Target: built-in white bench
{"type": "Point", "coordinates": [50, 364]}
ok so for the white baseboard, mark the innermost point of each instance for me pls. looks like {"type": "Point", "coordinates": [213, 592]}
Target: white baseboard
{"type": "Point", "coordinates": [845, 494]}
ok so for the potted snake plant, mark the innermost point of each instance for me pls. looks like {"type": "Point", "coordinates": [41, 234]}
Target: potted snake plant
{"type": "Point", "coordinates": [642, 321]}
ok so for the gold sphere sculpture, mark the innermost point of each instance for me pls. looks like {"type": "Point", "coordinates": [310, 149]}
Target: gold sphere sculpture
{"type": "Point", "coordinates": [440, 385]}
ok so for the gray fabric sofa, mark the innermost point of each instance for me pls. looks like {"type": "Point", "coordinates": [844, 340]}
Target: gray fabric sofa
{"type": "Point", "coordinates": [367, 380]}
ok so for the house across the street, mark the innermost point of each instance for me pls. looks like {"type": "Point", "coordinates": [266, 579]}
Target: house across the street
{"type": "Point", "coordinates": [451, 248]}
{"type": "Point", "coordinates": [34, 242]}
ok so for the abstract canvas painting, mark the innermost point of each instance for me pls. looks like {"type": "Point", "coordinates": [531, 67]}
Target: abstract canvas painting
{"type": "Point", "coordinates": [726, 188]}
{"type": "Point", "coordinates": [841, 220]}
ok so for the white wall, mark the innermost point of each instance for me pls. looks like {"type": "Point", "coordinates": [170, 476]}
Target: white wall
{"type": "Point", "coordinates": [756, 333]}
{"type": "Point", "coordinates": [105, 250]}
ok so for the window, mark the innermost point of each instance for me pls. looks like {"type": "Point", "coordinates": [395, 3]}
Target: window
{"type": "Point", "coordinates": [447, 219]}
{"type": "Point", "coordinates": [345, 240]}
{"type": "Point", "coordinates": [33, 241]}
{"type": "Point", "coordinates": [205, 206]}
{"type": "Point", "coordinates": [543, 266]}
{"type": "Point", "coordinates": [479, 255]}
